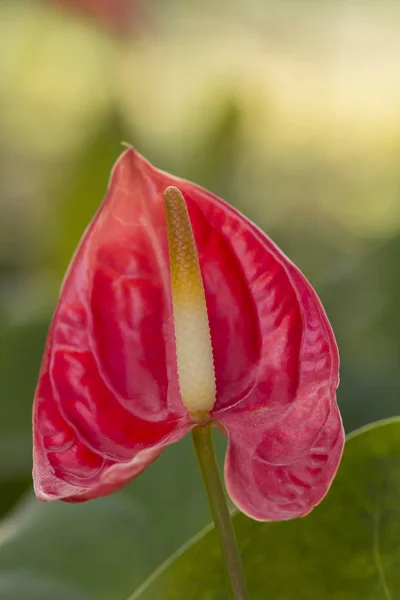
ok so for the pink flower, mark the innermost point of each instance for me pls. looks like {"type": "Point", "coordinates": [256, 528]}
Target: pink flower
{"type": "Point", "coordinates": [109, 398]}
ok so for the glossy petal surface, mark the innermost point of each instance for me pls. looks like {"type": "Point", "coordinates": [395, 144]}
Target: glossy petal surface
{"type": "Point", "coordinates": [108, 387]}
{"type": "Point", "coordinates": [284, 452]}
{"type": "Point", "coordinates": [108, 397]}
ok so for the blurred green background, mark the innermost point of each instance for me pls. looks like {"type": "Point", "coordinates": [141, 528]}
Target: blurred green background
{"type": "Point", "coordinates": [289, 110]}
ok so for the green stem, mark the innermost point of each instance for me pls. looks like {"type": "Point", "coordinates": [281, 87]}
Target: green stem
{"type": "Point", "coordinates": [202, 439]}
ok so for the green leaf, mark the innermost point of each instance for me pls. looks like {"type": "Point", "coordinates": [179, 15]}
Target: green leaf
{"type": "Point", "coordinates": [348, 548]}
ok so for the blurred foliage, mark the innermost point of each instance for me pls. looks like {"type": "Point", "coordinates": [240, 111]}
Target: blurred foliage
{"type": "Point", "coordinates": [18, 585]}
{"type": "Point", "coordinates": [288, 110]}
{"type": "Point", "coordinates": [115, 15]}
{"type": "Point", "coordinates": [83, 195]}
{"type": "Point", "coordinates": [108, 546]}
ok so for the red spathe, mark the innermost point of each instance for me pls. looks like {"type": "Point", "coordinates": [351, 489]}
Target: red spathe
{"type": "Point", "coordinates": [107, 400]}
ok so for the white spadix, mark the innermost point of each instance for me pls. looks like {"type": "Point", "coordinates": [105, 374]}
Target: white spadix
{"type": "Point", "coordinates": [192, 332]}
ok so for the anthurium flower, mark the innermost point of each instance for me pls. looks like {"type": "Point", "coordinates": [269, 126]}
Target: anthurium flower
{"type": "Point", "coordinates": [177, 310]}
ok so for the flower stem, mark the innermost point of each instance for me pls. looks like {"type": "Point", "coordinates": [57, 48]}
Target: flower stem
{"type": "Point", "coordinates": [202, 439]}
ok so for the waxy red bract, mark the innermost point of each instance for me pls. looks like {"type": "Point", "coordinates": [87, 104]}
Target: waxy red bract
{"type": "Point", "coordinates": [107, 401]}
